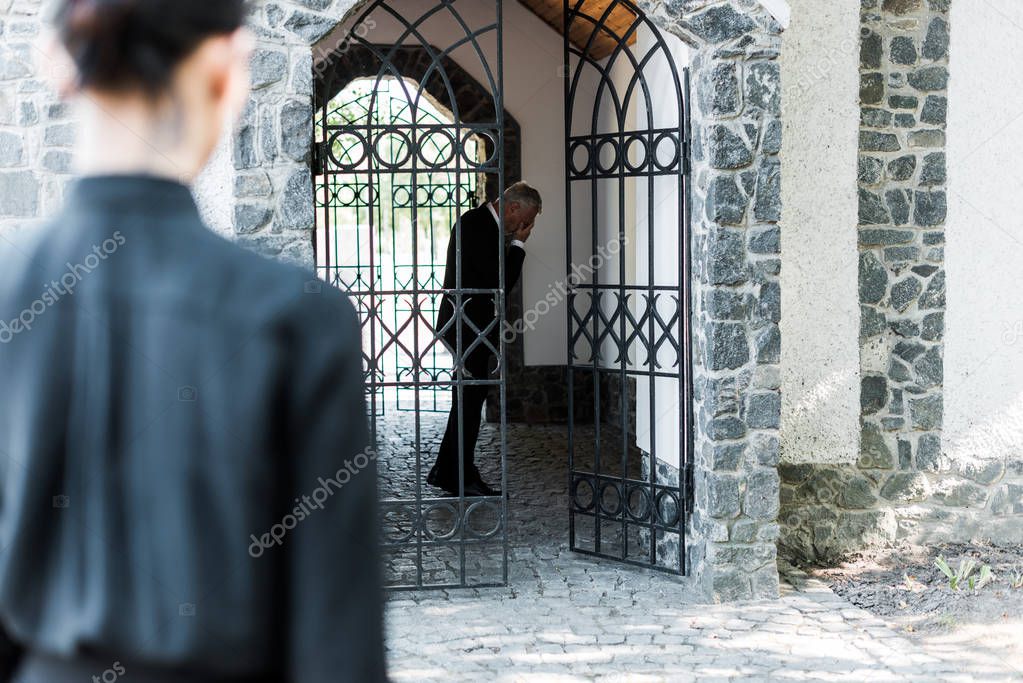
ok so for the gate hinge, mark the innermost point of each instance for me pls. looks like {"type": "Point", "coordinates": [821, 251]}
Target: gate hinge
{"type": "Point", "coordinates": [318, 157]}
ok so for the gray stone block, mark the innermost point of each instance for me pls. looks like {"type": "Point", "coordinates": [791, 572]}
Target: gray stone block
{"type": "Point", "coordinates": [869, 170]}
{"type": "Point", "coordinates": [903, 51]}
{"type": "Point", "coordinates": [933, 327]}
{"type": "Point", "coordinates": [875, 118]}
{"type": "Point", "coordinates": [962, 494]}
{"type": "Point", "coordinates": [57, 161]}
{"type": "Point", "coordinates": [930, 208]}
{"type": "Point", "coordinates": [297, 129]}
{"type": "Point", "coordinates": [873, 393]}
{"type": "Point", "coordinates": [929, 79]}
{"type": "Point", "coordinates": [934, 295]}
{"type": "Point", "coordinates": [926, 413]}
{"type": "Point", "coordinates": [295, 209]}
{"type": "Point", "coordinates": [906, 487]}
{"type": "Point", "coordinates": [727, 347]}
{"type": "Point", "coordinates": [898, 206]}
{"type": "Point", "coordinates": [268, 67]}
{"type": "Point", "coordinates": [933, 171]}
{"type": "Point", "coordinates": [718, 24]}
{"type": "Point", "coordinates": [726, 258]}
{"type": "Point", "coordinates": [763, 89]}
{"type": "Point", "coordinates": [19, 194]}
{"type": "Point", "coordinates": [726, 204]}
{"type": "Point", "coordinates": [310, 27]}
{"type": "Point", "coordinates": [878, 142]}
{"type": "Point", "coordinates": [900, 7]}
{"type": "Point", "coordinates": [764, 411]}
{"type": "Point", "coordinates": [936, 43]}
{"type": "Point", "coordinates": [768, 344]}
{"type": "Point", "coordinates": [904, 292]}
{"type": "Point", "coordinates": [249, 218]}
{"type": "Point", "coordinates": [768, 203]}
{"type": "Point", "coordinates": [761, 499]}
{"type": "Point", "coordinates": [871, 50]}
{"type": "Point", "coordinates": [935, 111]}
{"type": "Point", "coordinates": [12, 150]}
{"type": "Point", "coordinates": [719, 91]}
{"type": "Point", "coordinates": [722, 495]}
{"type": "Point", "coordinates": [872, 210]}
{"type": "Point", "coordinates": [871, 88]}
{"type": "Point", "coordinates": [727, 149]}
{"type": "Point", "coordinates": [857, 494]}
{"type": "Point", "coordinates": [874, 450]}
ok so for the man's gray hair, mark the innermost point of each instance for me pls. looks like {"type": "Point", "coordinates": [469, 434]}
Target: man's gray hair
{"type": "Point", "coordinates": [524, 193]}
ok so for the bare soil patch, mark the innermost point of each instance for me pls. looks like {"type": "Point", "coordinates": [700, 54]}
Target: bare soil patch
{"type": "Point", "coordinates": [906, 588]}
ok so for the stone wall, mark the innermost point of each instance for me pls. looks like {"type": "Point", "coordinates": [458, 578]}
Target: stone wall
{"type": "Point", "coordinates": [36, 133]}
{"type": "Point", "coordinates": [735, 208]}
{"type": "Point", "coordinates": [905, 484]}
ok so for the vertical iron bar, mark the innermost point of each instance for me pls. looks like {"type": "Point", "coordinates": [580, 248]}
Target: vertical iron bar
{"type": "Point", "coordinates": [499, 114]}
{"type": "Point", "coordinates": [570, 357]}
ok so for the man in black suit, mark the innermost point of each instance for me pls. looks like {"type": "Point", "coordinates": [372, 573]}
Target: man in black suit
{"type": "Point", "coordinates": [481, 242]}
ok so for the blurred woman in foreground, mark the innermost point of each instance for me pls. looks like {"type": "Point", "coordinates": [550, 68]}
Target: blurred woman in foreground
{"type": "Point", "coordinates": [187, 490]}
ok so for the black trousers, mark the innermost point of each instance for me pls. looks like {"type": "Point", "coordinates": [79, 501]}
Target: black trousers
{"type": "Point", "coordinates": [474, 397]}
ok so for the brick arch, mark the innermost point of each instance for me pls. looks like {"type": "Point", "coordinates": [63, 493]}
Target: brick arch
{"type": "Point", "coordinates": [473, 102]}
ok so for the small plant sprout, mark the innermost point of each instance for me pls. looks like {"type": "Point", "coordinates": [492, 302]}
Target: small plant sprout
{"type": "Point", "coordinates": [986, 577]}
{"type": "Point", "coordinates": [1016, 578]}
{"type": "Point", "coordinates": [963, 575]}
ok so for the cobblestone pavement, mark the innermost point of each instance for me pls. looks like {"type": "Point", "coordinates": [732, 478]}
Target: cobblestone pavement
{"type": "Point", "coordinates": [566, 617]}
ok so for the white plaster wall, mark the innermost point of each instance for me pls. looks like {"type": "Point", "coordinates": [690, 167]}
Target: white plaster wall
{"type": "Point", "coordinates": [820, 310]}
{"type": "Point", "coordinates": [984, 233]}
{"type": "Point", "coordinates": [658, 431]}
{"type": "Point", "coordinates": [534, 95]}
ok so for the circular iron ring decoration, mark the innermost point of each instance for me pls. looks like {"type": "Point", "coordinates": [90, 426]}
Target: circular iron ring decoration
{"type": "Point", "coordinates": [619, 502]}
{"type": "Point", "coordinates": [575, 494]}
{"type": "Point", "coordinates": [481, 504]}
{"type": "Point", "coordinates": [464, 148]}
{"type": "Point", "coordinates": [602, 146]}
{"type": "Point", "coordinates": [644, 498]}
{"type": "Point", "coordinates": [405, 146]}
{"type": "Point", "coordinates": [576, 146]}
{"type": "Point", "coordinates": [405, 515]}
{"type": "Point", "coordinates": [629, 145]}
{"type": "Point", "coordinates": [675, 151]}
{"type": "Point", "coordinates": [335, 138]}
{"type": "Point", "coordinates": [670, 520]}
{"type": "Point", "coordinates": [448, 146]}
{"type": "Point", "coordinates": [432, 535]}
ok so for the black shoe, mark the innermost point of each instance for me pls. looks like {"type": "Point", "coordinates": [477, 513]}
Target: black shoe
{"type": "Point", "coordinates": [474, 486]}
{"type": "Point", "coordinates": [483, 487]}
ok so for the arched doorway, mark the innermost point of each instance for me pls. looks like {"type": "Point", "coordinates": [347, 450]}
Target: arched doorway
{"type": "Point", "coordinates": [419, 130]}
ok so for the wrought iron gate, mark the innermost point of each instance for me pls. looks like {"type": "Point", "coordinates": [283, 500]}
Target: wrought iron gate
{"type": "Point", "coordinates": [387, 148]}
{"type": "Point", "coordinates": [628, 266]}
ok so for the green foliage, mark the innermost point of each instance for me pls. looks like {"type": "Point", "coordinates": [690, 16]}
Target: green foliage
{"type": "Point", "coordinates": [963, 575]}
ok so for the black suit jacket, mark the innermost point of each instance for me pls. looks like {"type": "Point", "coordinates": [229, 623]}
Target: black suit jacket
{"type": "Point", "coordinates": [157, 421]}
{"type": "Point", "coordinates": [482, 243]}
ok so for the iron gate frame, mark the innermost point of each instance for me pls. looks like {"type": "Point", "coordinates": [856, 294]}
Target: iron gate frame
{"type": "Point", "coordinates": [650, 519]}
{"type": "Point", "coordinates": [419, 537]}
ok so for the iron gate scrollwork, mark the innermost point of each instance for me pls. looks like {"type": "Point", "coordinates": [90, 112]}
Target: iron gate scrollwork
{"type": "Point", "coordinates": [392, 176]}
{"type": "Point", "coordinates": [626, 120]}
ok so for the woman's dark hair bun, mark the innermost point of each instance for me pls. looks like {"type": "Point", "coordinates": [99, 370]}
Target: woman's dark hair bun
{"type": "Point", "coordinates": [137, 44]}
